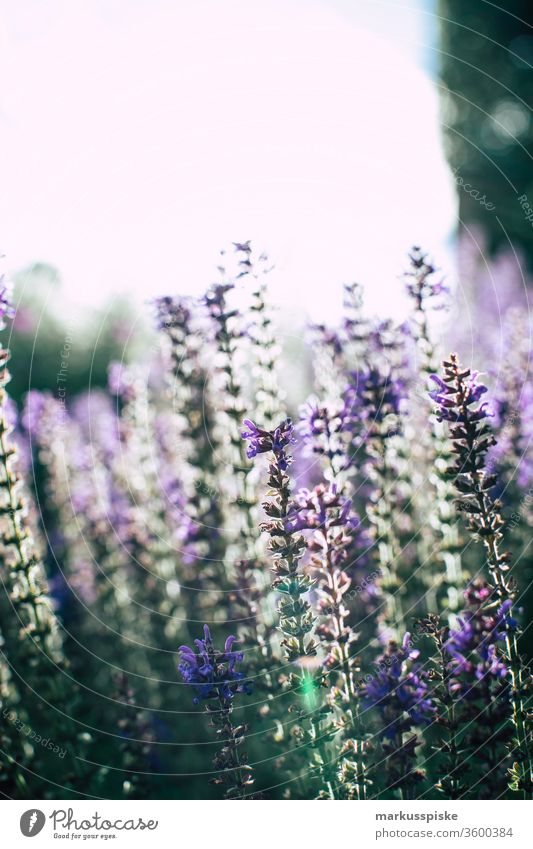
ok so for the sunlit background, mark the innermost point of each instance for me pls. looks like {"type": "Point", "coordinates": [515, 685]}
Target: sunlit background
{"type": "Point", "coordinates": [140, 136]}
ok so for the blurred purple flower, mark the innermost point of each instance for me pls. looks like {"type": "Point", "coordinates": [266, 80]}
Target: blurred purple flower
{"type": "Point", "coordinates": [473, 643]}
{"type": "Point", "coordinates": [399, 690]}
{"type": "Point", "coordinates": [371, 398]}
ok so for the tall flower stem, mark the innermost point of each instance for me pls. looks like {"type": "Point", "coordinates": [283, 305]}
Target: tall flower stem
{"type": "Point", "coordinates": [28, 594]}
{"type": "Point", "coordinates": [216, 680]}
{"type": "Point", "coordinates": [32, 638]}
{"type": "Point", "coordinates": [457, 396]}
{"type": "Point", "coordinates": [327, 513]}
{"type": "Point", "coordinates": [349, 698]}
{"type": "Point", "coordinates": [427, 293]}
{"type": "Point", "coordinates": [399, 691]}
{"type": "Point", "coordinates": [296, 621]}
{"type": "Point", "coordinates": [228, 333]}
{"type": "Point", "coordinates": [372, 415]}
{"type": "Point", "coordinates": [203, 545]}
{"type": "Point", "coordinates": [264, 344]}
{"type": "Point", "coordinates": [232, 341]}
{"type": "Point", "coordinates": [450, 784]}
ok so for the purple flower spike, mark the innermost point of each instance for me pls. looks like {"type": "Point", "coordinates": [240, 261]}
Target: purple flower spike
{"type": "Point", "coordinates": [211, 673]}
{"type": "Point", "coordinates": [473, 644]}
{"type": "Point", "coordinates": [265, 441]}
{"type": "Point", "coordinates": [454, 399]}
{"type": "Point", "coordinates": [399, 690]}
{"type": "Point", "coordinates": [426, 290]}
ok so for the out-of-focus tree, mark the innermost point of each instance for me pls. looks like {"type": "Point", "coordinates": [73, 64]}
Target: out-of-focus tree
{"type": "Point", "coordinates": [486, 68]}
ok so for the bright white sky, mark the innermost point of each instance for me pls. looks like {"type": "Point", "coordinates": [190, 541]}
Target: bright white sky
{"type": "Point", "coordinates": [138, 137]}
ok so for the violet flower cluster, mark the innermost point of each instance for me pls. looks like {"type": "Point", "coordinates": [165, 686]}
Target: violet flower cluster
{"type": "Point", "coordinates": [212, 674]}
{"type": "Point", "coordinates": [216, 680]}
{"type": "Point", "coordinates": [323, 526]}
{"type": "Point", "coordinates": [400, 691]}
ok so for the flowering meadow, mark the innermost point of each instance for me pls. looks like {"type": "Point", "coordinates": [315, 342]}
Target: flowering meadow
{"type": "Point", "coordinates": [212, 591]}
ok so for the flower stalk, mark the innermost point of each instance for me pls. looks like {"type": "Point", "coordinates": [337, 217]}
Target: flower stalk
{"type": "Point", "coordinates": [458, 399]}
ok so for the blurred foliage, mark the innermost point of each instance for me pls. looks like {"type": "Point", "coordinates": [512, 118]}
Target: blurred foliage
{"type": "Point", "coordinates": [47, 351]}
{"type": "Point", "coordinates": [486, 62]}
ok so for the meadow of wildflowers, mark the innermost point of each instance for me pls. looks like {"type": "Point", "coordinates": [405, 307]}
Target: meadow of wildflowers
{"type": "Point", "coordinates": [211, 591]}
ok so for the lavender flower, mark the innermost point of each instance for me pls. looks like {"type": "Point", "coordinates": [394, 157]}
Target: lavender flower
{"type": "Point", "coordinates": [151, 506]}
{"type": "Point", "coordinates": [31, 637]}
{"type": "Point", "coordinates": [399, 688]}
{"type": "Point", "coordinates": [472, 694]}
{"type": "Point", "coordinates": [355, 326]}
{"type": "Point", "coordinates": [399, 692]}
{"type": "Point", "coordinates": [98, 421]}
{"type": "Point", "coordinates": [274, 441]}
{"type": "Point", "coordinates": [236, 349]}
{"type": "Point", "coordinates": [422, 286]}
{"type": "Point", "coordinates": [432, 494]}
{"type": "Point", "coordinates": [373, 400]}
{"type": "Point", "coordinates": [329, 358]}
{"type": "Point", "coordinates": [372, 417]}
{"type": "Point", "coordinates": [329, 338]}
{"type": "Point", "coordinates": [479, 630]}
{"type": "Point", "coordinates": [126, 382]}
{"type": "Point", "coordinates": [33, 630]}
{"type": "Point", "coordinates": [458, 398]}
{"type": "Point", "coordinates": [479, 680]}
{"type": "Point", "coordinates": [191, 426]}
{"type": "Point", "coordinates": [448, 408]}
{"type": "Point", "coordinates": [285, 546]}
{"type": "Point", "coordinates": [337, 350]}
{"type": "Point", "coordinates": [265, 348]}
{"type": "Point", "coordinates": [216, 680]}
{"type": "Point", "coordinates": [95, 542]}
{"type": "Point", "coordinates": [322, 431]}
{"type": "Point", "coordinates": [212, 674]}
{"type": "Point", "coordinates": [328, 514]}
{"type": "Point", "coordinates": [323, 508]}
{"type": "Point", "coordinates": [296, 619]}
